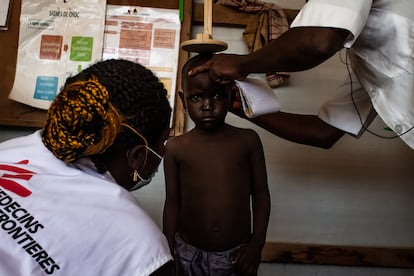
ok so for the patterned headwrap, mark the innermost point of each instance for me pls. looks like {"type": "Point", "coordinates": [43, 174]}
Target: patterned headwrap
{"type": "Point", "coordinates": [81, 121]}
{"type": "Point", "coordinates": [88, 116]}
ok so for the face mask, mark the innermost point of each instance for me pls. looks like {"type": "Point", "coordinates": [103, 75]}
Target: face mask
{"type": "Point", "coordinates": [143, 182]}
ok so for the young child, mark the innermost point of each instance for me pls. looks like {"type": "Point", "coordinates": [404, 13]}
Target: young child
{"type": "Point", "coordinates": [211, 174]}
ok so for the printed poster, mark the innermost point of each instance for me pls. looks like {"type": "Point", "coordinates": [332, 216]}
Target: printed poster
{"type": "Point", "coordinates": [57, 38]}
{"type": "Point", "coordinates": [149, 36]}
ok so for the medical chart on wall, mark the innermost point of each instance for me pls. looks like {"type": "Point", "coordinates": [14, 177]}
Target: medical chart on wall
{"type": "Point", "coordinates": [149, 36]}
{"type": "Point", "coordinates": [56, 39]}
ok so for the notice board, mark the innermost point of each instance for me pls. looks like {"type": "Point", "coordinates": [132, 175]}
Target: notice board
{"type": "Point", "coordinates": [16, 114]}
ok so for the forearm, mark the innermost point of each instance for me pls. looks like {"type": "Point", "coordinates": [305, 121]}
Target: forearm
{"type": "Point", "coordinates": [261, 213]}
{"type": "Point", "coordinates": [302, 129]}
{"type": "Point", "coordinates": [297, 49]}
{"type": "Point", "coordinates": [172, 199]}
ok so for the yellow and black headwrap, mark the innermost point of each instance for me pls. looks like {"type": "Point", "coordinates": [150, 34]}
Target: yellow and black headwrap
{"type": "Point", "coordinates": [81, 121]}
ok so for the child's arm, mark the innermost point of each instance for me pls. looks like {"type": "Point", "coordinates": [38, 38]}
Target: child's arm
{"type": "Point", "coordinates": [172, 194]}
{"type": "Point", "coordinates": [260, 193]}
{"type": "Point", "coordinates": [248, 258]}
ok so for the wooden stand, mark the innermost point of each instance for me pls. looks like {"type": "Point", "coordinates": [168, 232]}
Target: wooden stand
{"type": "Point", "coordinates": [204, 43]}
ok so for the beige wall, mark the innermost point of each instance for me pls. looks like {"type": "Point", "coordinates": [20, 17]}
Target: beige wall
{"type": "Point", "coordinates": [360, 192]}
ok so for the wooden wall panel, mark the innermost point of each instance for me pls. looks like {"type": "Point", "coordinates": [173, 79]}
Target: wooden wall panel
{"type": "Point", "coordinates": [338, 255]}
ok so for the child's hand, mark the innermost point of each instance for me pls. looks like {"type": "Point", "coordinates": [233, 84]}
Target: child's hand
{"type": "Point", "coordinates": [247, 259]}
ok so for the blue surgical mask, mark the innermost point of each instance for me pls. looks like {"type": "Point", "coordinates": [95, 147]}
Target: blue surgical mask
{"type": "Point", "coordinates": [142, 181]}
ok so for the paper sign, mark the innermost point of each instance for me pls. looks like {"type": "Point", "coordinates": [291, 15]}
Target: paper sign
{"type": "Point", "coordinates": [57, 39]}
{"type": "Point", "coordinates": [149, 36]}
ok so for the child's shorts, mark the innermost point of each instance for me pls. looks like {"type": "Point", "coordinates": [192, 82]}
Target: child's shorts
{"type": "Point", "coordinates": [193, 261]}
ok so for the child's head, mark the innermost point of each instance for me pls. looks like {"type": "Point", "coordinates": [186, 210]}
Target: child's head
{"type": "Point", "coordinates": [88, 114]}
{"type": "Point", "coordinates": [206, 101]}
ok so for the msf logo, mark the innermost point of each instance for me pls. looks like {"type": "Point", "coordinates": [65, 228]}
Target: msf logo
{"type": "Point", "coordinates": [13, 173]}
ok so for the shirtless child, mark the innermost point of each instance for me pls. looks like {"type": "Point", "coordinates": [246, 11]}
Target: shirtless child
{"type": "Point", "coordinates": [217, 204]}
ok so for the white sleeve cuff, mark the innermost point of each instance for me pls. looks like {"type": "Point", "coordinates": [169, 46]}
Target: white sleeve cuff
{"type": "Point", "coordinates": [350, 15]}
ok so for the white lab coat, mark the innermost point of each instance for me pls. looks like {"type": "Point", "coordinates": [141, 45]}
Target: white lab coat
{"type": "Point", "coordinates": [381, 56]}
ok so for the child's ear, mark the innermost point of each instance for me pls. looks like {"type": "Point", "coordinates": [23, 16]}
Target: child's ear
{"type": "Point", "coordinates": [181, 94]}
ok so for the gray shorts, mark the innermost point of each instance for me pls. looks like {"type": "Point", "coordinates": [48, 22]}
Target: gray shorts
{"type": "Point", "coordinates": [192, 261]}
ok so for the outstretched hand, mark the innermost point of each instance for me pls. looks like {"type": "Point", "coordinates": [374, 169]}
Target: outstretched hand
{"type": "Point", "coordinates": [223, 68]}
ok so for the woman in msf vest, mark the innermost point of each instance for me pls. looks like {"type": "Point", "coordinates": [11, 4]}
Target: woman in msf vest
{"type": "Point", "coordinates": [65, 205]}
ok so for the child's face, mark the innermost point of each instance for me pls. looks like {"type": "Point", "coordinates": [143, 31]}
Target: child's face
{"type": "Point", "coordinates": [207, 102]}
